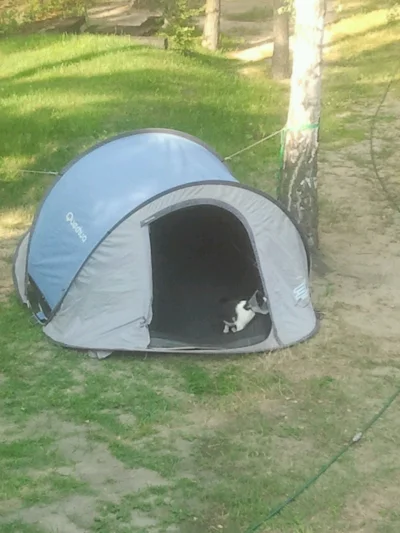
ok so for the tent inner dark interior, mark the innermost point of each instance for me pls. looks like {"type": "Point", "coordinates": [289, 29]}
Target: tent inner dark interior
{"type": "Point", "coordinates": [201, 254]}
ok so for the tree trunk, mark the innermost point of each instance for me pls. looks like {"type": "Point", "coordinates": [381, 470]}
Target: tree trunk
{"type": "Point", "coordinates": [280, 56]}
{"type": "Point", "coordinates": [212, 25]}
{"type": "Point", "coordinates": [298, 184]}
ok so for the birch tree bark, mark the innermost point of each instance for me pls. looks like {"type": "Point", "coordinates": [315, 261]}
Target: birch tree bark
{"type": "Point", "coordinates": [280, 56]}
{"type": "Point", "coordinates": [211, 30]}
{"type": "Point", "coordinates": [297, 189]}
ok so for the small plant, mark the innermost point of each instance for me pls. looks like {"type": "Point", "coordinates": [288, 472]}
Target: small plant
{"type": "Point", "coordinates": [179, 24]}
{"type": "Point", "coordinates": [9, 21]}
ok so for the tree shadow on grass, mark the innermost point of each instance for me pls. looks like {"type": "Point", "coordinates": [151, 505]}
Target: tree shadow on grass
{"type": "Point", "coordinates": [351, 37]}
{"type": "Point", "coordinates": [76, 111]}
{"type": "Point", "coordinates": [71, 61]}
{"type": "Point", "coordinates": [76, 132]}
{"type": "Point", "coordinates": [70, 111]}
{"type": "Point", "coordinates": [367, 7]}
{"type": "Point", "coordinates": [128, 44]}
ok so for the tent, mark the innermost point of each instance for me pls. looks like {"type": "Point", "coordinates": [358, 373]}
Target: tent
{"type": "Point", "coordinates": [141, 237]}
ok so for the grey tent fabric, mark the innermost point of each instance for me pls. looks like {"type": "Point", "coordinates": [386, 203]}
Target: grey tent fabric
{"type": "Point", "coordinates": [281, 254]}
{"type": "Point", "coordinates": [117, 281]}
{"type": "Point", "coordinates": [117, 277]}
{"type": "Point", "coordinates": [99, 354]}
{"type": "Point", "coordinates": [19, 267]}
{"type": "Point", "coordinates": [191, 243]}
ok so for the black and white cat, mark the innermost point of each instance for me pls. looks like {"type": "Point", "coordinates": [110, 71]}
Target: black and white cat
{"type": "Point", "coordinates": [241, 316]}
{"type": "Point", "coordinates": [239, 313]}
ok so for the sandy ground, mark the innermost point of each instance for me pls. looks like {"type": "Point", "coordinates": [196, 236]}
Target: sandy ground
{"type": "Point", "coordinates": [360, 232]}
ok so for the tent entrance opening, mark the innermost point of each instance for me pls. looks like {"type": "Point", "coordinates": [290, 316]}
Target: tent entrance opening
{"type": "Point", "coordinates": [200, 255]}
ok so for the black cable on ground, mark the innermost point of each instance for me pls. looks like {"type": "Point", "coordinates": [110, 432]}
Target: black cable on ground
{"type": "Point", "coordinates": [277, 510]}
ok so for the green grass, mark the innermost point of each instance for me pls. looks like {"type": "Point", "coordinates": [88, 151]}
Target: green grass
{"type": "Point", "coordinates": [19, 527]}
{"type": "Point", "coordinates": [363, 48]}
{"type": "Point", "coordinates": [28, 472]}
{"type": "Point", "coordinates": [61, 95]}
{"type": "Point", "coordinates": [199, 381]}
{"type": "Point", "coordinates": [199, 444]}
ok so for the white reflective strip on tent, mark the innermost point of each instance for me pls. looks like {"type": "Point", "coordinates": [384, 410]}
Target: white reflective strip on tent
{"type": "Point", "coordinates": [20, 267]}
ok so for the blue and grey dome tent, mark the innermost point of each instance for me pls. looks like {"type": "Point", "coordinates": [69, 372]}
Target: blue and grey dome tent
{"type": "Point", "coordinates": [140, 238]}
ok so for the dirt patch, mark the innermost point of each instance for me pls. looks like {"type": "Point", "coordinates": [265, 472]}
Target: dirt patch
{"type": "Point", "coordinates": [127, 419]}
{"type": "Point", "coordinates": [361, 244]}
{"type": "Point", "coordinates": [142, 520]}
{"type": "Point", "coordinates": [90, 462]}
{"type": "Point", "coordinates": [7, 429]}
{"type": "Point", "coordinates": [72, 515]}
{"type": "Point", "coordinates": [94, 464]}
{"type": "Point", "coordinates": [7, 248]}
{"type": "Point", "coordinates": [366, 513]}
{"type": "Point", "coordinates": [205, 419]}
{"type": "Point", "coordinates": [13, 223]}
{"type": "Point", "coordinates": [8, 506]}
{"type": "Point", "coordinates": [291, 449]}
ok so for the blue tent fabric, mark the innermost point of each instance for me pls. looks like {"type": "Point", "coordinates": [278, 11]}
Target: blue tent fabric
{"type": "Point", "coordinates": [102, 187]}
